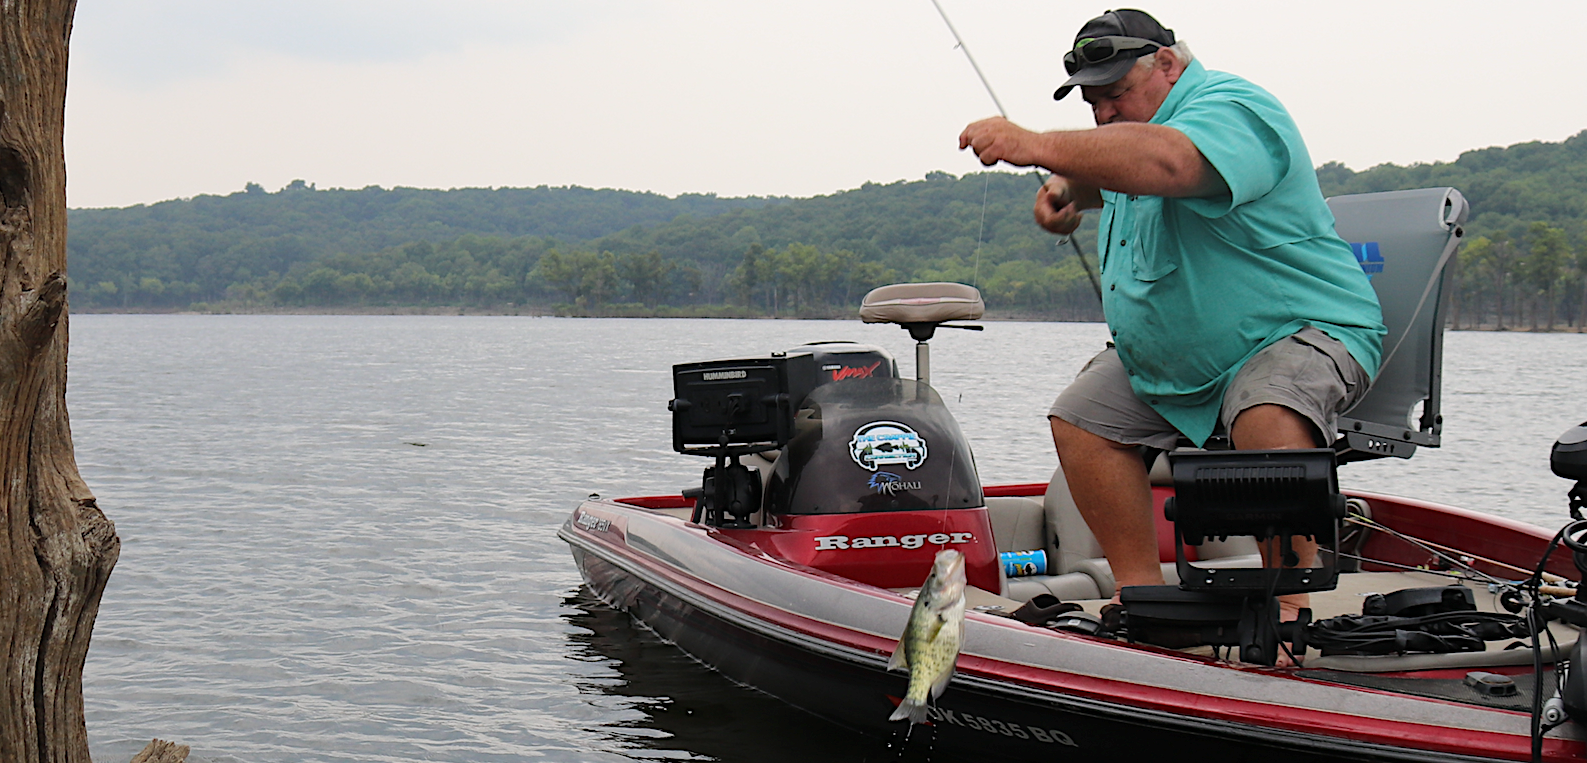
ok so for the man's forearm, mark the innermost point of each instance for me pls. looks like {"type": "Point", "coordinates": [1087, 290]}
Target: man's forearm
{"type": "Point", "coordinates": [1135, 158]}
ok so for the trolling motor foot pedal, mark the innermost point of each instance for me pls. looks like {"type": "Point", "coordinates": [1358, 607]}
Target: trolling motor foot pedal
{"type": "Point", "coordinates": [1042, 609]}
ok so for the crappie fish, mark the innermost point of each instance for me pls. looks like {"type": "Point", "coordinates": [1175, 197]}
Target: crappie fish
{"type": "Point", "coordinates": [930, 645]}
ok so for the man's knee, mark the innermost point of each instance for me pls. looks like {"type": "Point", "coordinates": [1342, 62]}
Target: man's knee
{"type": "Point", "coordinates": [1069, 438]}
{"type": "Point", "coordinates": [1272, 427]}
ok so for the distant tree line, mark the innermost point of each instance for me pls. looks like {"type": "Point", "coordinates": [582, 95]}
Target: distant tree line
{"type": "Point", "coordinates": [1524, 263]}
{"type": "Point", "coordinates": [606, 252]}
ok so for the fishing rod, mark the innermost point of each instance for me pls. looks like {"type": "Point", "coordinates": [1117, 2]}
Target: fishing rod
{"type": "Point", "coordinates": [1084, 263]}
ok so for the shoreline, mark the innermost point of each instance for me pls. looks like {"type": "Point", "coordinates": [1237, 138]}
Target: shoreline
{"type": "Point", "coordinates": [536, 312]}
{"type": "Point", "coordinates": [992, 316]}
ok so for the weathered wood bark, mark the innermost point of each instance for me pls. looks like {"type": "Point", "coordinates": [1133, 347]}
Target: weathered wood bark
{"type": "Point", "coordinates": [56, 547]}
{"type": "Point", "coordinates": [161, 751]}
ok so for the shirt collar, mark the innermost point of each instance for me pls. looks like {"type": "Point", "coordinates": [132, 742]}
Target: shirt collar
{"type": "Point", "coordinates": [1189, 81]}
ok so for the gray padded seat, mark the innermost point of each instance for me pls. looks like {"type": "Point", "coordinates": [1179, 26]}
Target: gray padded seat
{"type": "Point", "coordinates": [1405, 241]}
{"type": "Point", "coordinates": [1022, 524]}
{"type": "Point", "coordinates": [937, 302]}
{"type": "Point", "coordinates": [1019, 524]}
{"type": "Point", "coordinates": [1078, 569]}
{"type": "Point", "coordinates": [1079, 554]}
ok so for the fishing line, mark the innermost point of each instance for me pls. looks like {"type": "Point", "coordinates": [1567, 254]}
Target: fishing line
{"type": "Point", "coordinates": [1084, 263]}
{"type": "Point", "coordinates": [1437, 554]}
{"type": "Point", "coordinates": [1430, 546]}
{"type": "Point", "coordinates": [1409, 568]}
{"type": "Point", "coordinates": [980, 234]}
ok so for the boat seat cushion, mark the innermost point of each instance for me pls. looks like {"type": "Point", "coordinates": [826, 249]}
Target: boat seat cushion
{"type": "Point", "coordinates": [922, 303]}
{"type": "Point", "coordinates": [1102, 573]}
{"type": "Point", "coordinates": [1076, 567]}
{"type": "Point", "coordinates": [1019, 523]}
{"type": "Point", "coordinates": [1074, 586]}
{"type": "Point", "coordinates": [1078, 550]}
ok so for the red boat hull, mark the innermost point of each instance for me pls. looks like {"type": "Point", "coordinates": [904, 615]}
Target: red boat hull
{"type": "Point", "coordinates": [820, 642]}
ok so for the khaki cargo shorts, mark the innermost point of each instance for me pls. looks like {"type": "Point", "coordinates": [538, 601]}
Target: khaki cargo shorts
{"type": "Point", "coordinates": [1309, 372]}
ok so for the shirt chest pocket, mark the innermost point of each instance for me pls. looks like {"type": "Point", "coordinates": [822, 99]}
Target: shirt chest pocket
{"type": "Point", "coordinates": [1152, 254]}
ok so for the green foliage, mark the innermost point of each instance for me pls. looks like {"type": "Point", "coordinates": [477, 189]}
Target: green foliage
{"type": "Point", "coordinates": [1509, 188]}
{"type": "Point", "coordinates": [589, 251]}
{"type": "Point", "coordinates": [200, 247]}
{"type": "Point", "coordinates": [1525, 263]}
{"type": "Point", "coordinates": [610, 252]}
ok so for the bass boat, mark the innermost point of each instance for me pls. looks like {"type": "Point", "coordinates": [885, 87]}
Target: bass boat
{"type": "Point", "coordinates": [1433, 634]}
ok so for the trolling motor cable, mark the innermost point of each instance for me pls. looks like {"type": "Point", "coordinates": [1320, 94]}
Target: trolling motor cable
{"type": "Point", "coordinates": [1534, 614]}
{"type": "Point", "coordinates": [1084, 263]}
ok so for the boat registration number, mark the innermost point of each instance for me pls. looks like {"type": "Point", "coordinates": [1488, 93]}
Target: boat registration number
{"type": "Point", "coordinates": [1002, 728]}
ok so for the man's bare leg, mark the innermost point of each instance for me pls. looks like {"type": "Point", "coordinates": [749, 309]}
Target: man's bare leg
{"type": "Point", "coordinates": [1274, 427]}
{"type": "Point", "coordinates": [1109, 485]}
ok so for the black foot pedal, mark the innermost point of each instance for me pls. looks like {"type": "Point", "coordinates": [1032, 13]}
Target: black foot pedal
{"type": "Point", "coordinates": [1042, 609]}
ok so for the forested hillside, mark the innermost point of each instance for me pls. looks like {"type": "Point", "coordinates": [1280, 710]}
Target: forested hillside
{"type": "Point", "coordinates": [589, 251]}
{"type": "Point", "coordinates": [177, 252]}
{"type": "Point", "coordinates": [1524, 264]}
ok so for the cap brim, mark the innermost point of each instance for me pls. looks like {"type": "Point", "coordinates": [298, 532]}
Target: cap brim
{"type": "Point", "coordinates": [1106, 74]}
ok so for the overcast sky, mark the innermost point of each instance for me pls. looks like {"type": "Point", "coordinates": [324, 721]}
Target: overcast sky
{"type": "Point", "coordinates": [174, 98]}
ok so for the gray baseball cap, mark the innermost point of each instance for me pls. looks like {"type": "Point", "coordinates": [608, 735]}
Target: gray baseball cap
{"type": "Point", "coordinates": [1108, 45]}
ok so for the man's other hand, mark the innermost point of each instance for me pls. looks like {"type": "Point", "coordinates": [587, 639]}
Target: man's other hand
{"type": "Point", "coordinates": [1056, 208]}
{"type": "Point", "coordinates": [999, 140]}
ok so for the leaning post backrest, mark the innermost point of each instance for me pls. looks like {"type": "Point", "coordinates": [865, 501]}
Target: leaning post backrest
{"type": "Point", "coordinates": [1405, 241]}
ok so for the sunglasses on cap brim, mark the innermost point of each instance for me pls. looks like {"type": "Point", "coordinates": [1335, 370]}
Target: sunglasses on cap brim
{"type": "Point", "coordinates": [1092, 51]}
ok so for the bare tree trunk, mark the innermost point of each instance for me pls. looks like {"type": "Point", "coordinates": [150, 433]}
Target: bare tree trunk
{"type": "Point", "coordinates": [1498, 321]}
{"type": "Point", "coordinates": [161, 751]}
{"type": "Point", "coordinates": [1581, 315]}
{"type": "Point", "coordinates": [56, 547]}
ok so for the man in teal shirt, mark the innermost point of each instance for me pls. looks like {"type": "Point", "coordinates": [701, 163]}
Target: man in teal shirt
{"type": "Point", "coordinates": [1232, 302]}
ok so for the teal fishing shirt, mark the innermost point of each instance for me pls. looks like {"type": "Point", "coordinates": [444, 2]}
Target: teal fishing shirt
{"type": "Point", "coordinates": [1193, 287]}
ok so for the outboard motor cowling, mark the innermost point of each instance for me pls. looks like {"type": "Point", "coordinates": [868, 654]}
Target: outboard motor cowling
{"type": "Point", "coordinates": [874, 445]}
{"type": "Point", "coordinates": [875, 481]}
{"type": "Point", "coordinates": [821, 363]}
{"type": "Point", "coordinates": [871, 478]}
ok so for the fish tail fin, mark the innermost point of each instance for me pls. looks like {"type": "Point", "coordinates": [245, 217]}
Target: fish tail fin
{"type": "Point", "coordinates": [914, 711]}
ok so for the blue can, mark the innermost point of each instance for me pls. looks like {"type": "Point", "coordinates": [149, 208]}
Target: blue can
{"type": "Point", "coordinates": [1018, 564]}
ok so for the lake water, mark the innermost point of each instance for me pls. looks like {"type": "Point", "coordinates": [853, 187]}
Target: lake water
{"type": "Point", "coordinates": [339, 533]}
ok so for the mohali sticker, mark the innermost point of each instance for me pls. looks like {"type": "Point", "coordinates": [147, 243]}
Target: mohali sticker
{"type": "Point", "coordinates": [887, 442]}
